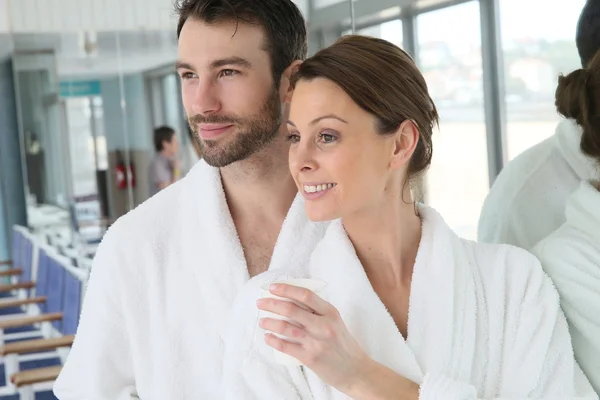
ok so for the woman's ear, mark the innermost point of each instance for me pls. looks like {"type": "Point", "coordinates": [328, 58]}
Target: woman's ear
{"type": "Point", "coordinates": [285, 87]}
{"type": "Point", "coordinates": [405, 143]}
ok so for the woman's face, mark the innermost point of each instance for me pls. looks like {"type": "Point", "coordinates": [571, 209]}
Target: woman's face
{"type": "Point", "coordinates": [340, 163]}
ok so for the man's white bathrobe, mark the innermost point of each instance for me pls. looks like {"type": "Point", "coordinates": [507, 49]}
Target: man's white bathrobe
{"type": "Point", "coordinates": [527, 201]}
{"type": "Point", "coordinates": [571, 256]}
{"type": "Point", "coordinates": [484, 323]}
{"type": "Point", "coordinates": [161, 287]}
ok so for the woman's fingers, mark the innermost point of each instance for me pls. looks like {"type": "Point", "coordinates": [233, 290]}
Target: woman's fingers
{"type": "Point", "coordinates": [283, 328]}
{"type": "Point", "coordinates": [288, 310]}
{"type": "Point", "coordinates": [303, 296]}
{"type": "Point", "coordinates": [293, 349]}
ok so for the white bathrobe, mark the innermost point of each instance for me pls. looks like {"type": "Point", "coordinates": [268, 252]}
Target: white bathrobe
{"type": "Point", "coordinates": [161, 287]}
{"type": "Point", "coordinates": [484, 323]}
{"type": "Point", "coordinates": [571, 256]}
{"type": "Point", "coordinates": [527, 201]}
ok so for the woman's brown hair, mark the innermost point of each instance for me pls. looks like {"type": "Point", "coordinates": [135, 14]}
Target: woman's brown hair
{"type": "Point", "coordinates": [383, 80]}
{"type": "Point", "coordinates": [578, 98]}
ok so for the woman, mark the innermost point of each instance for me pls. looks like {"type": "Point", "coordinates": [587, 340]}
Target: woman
{"type": "Point", "coordinates": [484, 320]}
{"type": "Point", "coordinates": [571, 254]}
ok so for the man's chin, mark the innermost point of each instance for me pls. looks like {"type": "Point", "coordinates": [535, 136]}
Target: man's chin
{"type": "Point", "coordinates": [214, 161]}
{"type": "Point", "coordinates": [218, 159]}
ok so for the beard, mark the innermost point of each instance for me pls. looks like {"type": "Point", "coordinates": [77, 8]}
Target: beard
{"type": "Point", "coordinates": [253, 134]}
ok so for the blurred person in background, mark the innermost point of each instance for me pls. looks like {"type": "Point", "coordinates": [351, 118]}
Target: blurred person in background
{"type": "Point", "coordinates": [165, 167]}
{"type": "Point", "coordinates": [571, 254]}
{"type": "Point", "coordinates": [528, 198]}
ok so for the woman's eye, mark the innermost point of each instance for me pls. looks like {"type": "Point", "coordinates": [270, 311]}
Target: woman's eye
{"type": "Point", "coordinates": [293, 138]}
{"type": "Point", "coordinates": [327, 137]}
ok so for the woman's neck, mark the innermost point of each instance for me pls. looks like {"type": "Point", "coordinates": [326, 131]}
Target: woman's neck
{"type": "Point", "coordinates": [386, 239]}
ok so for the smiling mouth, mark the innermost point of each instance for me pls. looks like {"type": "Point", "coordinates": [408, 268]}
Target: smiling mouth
{"type": "Point", "coordinates": [318, 188]}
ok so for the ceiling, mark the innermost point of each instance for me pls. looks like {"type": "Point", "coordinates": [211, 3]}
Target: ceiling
{"type": "Point", "coordinates": [97, 54]}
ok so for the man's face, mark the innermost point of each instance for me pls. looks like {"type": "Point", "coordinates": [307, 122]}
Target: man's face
{"type": "Point", "coordinates": [232, 104]}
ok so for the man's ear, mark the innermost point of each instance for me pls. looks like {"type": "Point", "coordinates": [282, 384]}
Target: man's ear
{"type": "Point", "coordinates": [285, 88]}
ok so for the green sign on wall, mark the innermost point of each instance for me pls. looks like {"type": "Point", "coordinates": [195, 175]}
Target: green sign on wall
{"type": "Point", "coordinates": [79, 88]}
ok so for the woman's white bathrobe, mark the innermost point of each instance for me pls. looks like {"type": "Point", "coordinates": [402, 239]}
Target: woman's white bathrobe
{"type": "Point", "coordinates": [528, 199]}
{"type": "Point", "coordinates": [484, 323]}
{"type": "Point", "coordinates": [161, 287]}
{"type": "Point", "coordinates": [571, 256]}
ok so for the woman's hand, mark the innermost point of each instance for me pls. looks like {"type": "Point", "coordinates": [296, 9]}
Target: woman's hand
{"type": "Point", "coordinates": [324, 343]}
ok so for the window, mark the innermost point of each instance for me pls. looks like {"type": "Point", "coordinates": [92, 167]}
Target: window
{"type": "Point", "coordinates": [390, 31]}
{"type": "Point", "coordinates": [82, 168]}
{"type": "Point", "coordinates": [534, 55]}
{"type": "Point", "coordinates": [450, 59]}
{"type": "Point", "coordinates": [101, 152]}
{"type": "Point", "coordinates": [327, 3]}
{"type": "Point", "coordinates": [303, 6]}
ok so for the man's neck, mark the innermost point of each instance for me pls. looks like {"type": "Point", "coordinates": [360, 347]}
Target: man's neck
{"type": "Point", "coordinates": [259, 193]}
{"type": "Point", "coordinates": [260, 186]}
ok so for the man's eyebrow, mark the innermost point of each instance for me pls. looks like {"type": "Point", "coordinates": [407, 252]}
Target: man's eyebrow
{"type": "Point", "coordinates": [183, 65]}
{"type": "Point", "coordinates": [239, 61]}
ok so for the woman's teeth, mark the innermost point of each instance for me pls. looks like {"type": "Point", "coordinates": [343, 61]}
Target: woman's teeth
{"type": "Point", "coordinates": [318, 188]}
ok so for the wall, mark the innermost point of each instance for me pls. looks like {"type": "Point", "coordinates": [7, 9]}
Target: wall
{"type": "Point", "coordinates": [12, 198]}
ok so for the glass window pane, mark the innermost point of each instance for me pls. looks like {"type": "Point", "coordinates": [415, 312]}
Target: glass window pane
{"type": "Point", "coordinates": [79, 124]}
{"type": "Point", "coordinates": [101, 150]}
{"type": "Point", "coordinates": [390, 31]}
{"type": "Point", "coordinates": [326, 3]}
{"type": "Point", "coordinates": [450, 59]}
{"type": "Point", "coordinates": [174, 115]}
{"type": "Point", "coordinates": [303, 6]}
{"type": "Point", "coordinates": [534, 56]}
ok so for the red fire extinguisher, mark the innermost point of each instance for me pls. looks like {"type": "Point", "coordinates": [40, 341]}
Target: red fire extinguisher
{"type": "Point", "coordinates": [124, 172]}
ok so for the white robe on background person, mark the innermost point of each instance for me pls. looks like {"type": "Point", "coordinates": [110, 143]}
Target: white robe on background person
{"type": "Point", "coordinates": [571, 257]}
{"type": "Point", "coordinates": [527, 201]}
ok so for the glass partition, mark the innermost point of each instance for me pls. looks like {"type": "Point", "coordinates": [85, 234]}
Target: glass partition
{"type": "Point", "coordinates": [450, 59]}
{"type": "Point", "coordinates": [534, 56]}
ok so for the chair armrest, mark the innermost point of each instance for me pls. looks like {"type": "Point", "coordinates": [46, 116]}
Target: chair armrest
{"type": "Point", "coordinates": [37, 375]}
{"type": "Point", "coordinates": [6, 262]}
{"type": "Point", "coordinates": [25, 321]}
{"type": "Point", "coordinates": [11, 272]}
{"type": "Point", "coordinates": [16, 286]}
{"type": "Point", "coordinates": [37, 345]}
{"type": "Point", "coordinates": [23, 302]}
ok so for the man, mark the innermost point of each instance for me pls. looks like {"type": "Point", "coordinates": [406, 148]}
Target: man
{"type": "Point", "coordinates": [164, 168]}
{"type": "Point", "coordinates": [166, 274]}
{"type": "Point", "coordinates": [197, 150]}
{"type": "Point", "coordinates": [527, 201]}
